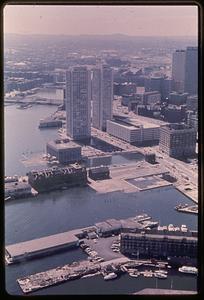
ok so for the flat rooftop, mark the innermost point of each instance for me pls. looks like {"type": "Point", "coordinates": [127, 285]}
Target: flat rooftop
{"type": "Point", "coordinates": [41, 244]}
{"type": "Point", "coordinates": [159, 236]}
{"type": "Point", "coordinates": [133, 123]}
{"type": "Point", "coordinates": [16, 185]}
{"type": "Point", "coordinates": [61, 144]}
{"type": "Point", "coordinates": [177, 126]}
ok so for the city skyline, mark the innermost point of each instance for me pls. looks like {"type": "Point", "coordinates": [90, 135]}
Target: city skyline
{"type": "Point", "coordinates": [135, 21]}
{"type": "Point", "coordinates": [101, 151]}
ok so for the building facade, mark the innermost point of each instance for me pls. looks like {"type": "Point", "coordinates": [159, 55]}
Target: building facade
{"type": "Point", "coordinates": [78, 103]}
{"type": "Point", "coordinates": [177, 98]}
{"type": "Point", "coordinates": [177, 140]}
{"type": "Point", "coordinates": [133, 133]}
{"type": "Point", "coordinates": [156, 245]}
{"type": "Point", "coordinates": [191, 71]}
{"type": "Point", "coordinates": [102, 96]}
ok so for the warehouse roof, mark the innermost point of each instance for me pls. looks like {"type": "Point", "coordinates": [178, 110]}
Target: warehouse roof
{"type": "Point", "coordinates": [40, 244]}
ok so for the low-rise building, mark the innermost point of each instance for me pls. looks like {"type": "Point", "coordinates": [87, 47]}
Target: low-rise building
{"type": "Point", "coordinates": [192, 103]}
{"type": "Point", "coordinates": [177, 140]}
{"type": "Point", "coordinates": [177, 98]}
{"type": "Point", "coordinates": [64, 150]}
{"type": "Point", "coordinates": [133, 131]}
{"type": "Point", "coordinates": [99, 173]}
{"type": "Point", "coordinates": [156, 245]}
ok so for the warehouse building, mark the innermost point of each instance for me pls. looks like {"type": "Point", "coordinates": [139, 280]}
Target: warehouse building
{"type": "Point", "coordinates": [157, 245]}
{"type": "Point", "coordinates": [42, 246]}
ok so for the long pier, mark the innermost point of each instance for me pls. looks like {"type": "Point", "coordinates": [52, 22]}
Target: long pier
{"type": "Point", "coordinates": [58, 275]}
{"type": "Point", "coordinates": [77, 270]}
{"type": "Point", "coordinates": [189, 209]}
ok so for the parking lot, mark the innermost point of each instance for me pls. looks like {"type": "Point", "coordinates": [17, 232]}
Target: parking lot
{"type": "Point", "coordinates": [103, 247]}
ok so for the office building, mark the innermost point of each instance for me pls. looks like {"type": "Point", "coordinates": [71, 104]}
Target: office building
{"type": "Point", "coordinates": [192, 119]}
{"type": "Point", "coordinates": [126, 88]}
{"type": "Point", "coordinates": [191, 71]}
{"type": "Point", "coordinates": [177, 98]}
{"type": "Point", "coordinates": [157, 245]}
{"type": "Point", "coordinates": [174, 113]}
{"type": "Point", "coordinates": [151, 98]}
{"type": "Point", "coordinates": [64, 150]}
{"type": "Point", "coordinates": [161, 84]}
{"type": "Point", "coordinates": [177, 140]}
{"type": "Point", "coordinates": [78, 102]}
{"type": "Point", "coordinates": [102, 96]}
{"type": "Point", "coordinates": [178, 70]}
{"type": "Point", "coordinates": [134, 132]}
{"type": "Point", "coordinates": [192, 103]}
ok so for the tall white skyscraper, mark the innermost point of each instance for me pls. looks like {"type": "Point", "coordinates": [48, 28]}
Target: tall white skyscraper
{"type": "Point", "coordinates": [191, 71]}
{"type": "Point", "coordinates": [102, 96]}
{"type": "Point", "coordinates": [178, 70]}
{"type": "Point", "coordinates": [78, 99]}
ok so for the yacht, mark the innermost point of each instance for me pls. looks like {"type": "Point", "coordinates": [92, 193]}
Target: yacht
{"type": "Point", "coordinates": [110, 276]}
{"type": "Point", "coordinates": [189, 270]}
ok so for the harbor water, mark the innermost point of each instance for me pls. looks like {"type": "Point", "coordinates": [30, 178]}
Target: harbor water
{"type": "Point", "coordinates": [60, 211]}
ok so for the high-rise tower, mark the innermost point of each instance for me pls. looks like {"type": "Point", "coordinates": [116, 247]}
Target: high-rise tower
{"type": "Point", "coordinates": [78, 108]}
{"type": "Point", "coordinates": [178, 70]}
{"type": "Point", "coordinates": [102, 96]}
{"type": "Point", "coordinates": [191, 71]}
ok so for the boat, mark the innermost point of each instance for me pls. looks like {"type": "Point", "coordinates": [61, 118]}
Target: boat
{"type": "Point", "coordinates": [110, 276]}
{"type": "Point", "coordinates": [134, 273]}
{"type": "Point", "coordinates": [160, 275]}
{"type": "Point", "coordinates": [184, 228]}
{"type": "Point", "coordinates": [161, 271]}
{"type": "Point", "coordinates": [147, 273]}
{"type": "Point", "coordinates": [171, 227]}
{"type": "Point", "coordinates": [188, 270]}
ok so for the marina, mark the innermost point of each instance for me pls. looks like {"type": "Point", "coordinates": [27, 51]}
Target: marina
{"type": "Point", "coordinates": [84, 269]}
{"type": "Point", "coordinates": [64, 210]}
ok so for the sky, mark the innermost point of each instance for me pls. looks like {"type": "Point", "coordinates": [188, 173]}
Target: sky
{"type": "Point", "coordinates": [77, 20]}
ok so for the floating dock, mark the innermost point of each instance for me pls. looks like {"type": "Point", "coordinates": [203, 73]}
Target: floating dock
{"type": "Point", "coordinates": [58, 275]}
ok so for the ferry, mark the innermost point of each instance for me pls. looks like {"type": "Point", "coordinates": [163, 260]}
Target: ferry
{"type": "Point", "coordinates": [188, 270]}
{"type": "Point", "coordinates": [110, 276]}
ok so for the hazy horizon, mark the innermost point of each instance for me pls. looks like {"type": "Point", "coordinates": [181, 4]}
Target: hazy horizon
{"type": "Point", "coordinates": [77, 20]}
{"type": "Point", "coordinates": [111, 34]}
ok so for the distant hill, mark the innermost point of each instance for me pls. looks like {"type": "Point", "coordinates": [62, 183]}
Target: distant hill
{"type": "Point", "coordinates": [112, 41]}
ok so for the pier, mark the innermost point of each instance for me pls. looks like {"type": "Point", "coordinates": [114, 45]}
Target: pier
{"type": "Point", "coordinates": [58, 275]}
{"type": "Point", "coordinates": [78, 270]}
{"type": "Point", "coordinates": [188, 209]}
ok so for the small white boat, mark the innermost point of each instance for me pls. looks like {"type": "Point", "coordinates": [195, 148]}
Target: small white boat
{"type": "Point", "coordinates": [160, 275]}
{"type": "Point", "coordinates": [188, 270]}
{"type": "Point", "coordinates": [110, 276]}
